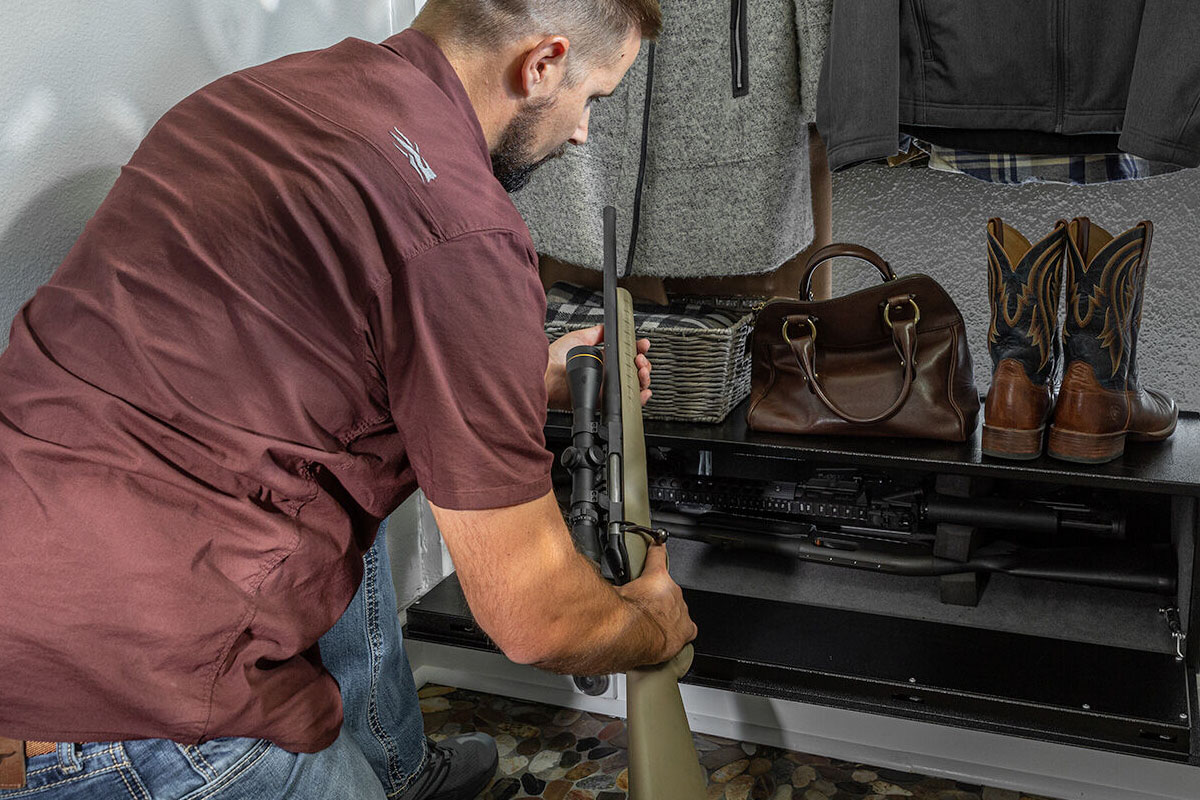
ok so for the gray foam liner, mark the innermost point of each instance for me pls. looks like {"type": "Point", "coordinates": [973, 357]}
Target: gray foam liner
{"type": "Point", "coordinates": [1021, 605]}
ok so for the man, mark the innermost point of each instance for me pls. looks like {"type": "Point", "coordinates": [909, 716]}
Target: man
{"type": "Point", "coordinates": [306, 295]}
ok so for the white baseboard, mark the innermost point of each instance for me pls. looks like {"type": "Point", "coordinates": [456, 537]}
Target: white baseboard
{"type": "Point", "coordinates": [1003, 762]}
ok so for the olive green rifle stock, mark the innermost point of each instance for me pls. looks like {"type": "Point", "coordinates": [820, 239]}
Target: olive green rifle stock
{"type": "Point", "coordinates": [663, 764]}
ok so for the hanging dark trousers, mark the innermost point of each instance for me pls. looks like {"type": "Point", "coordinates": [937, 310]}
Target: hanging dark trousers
{"type": "Point", "coordinates": [1024, 284]}
{"type": "Point", "coordinates": [1101, 402]}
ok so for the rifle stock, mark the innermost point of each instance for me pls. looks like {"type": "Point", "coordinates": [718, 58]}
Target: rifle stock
{"type": "Point", "coordinates": [663, 764]}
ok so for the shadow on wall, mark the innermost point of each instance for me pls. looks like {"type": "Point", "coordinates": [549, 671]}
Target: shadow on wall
{"type": "Point", "coordinates": [42, 233]}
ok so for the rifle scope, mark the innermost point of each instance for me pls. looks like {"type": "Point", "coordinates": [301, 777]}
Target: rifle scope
{"type": "Point", "coordinates": [585, 376]}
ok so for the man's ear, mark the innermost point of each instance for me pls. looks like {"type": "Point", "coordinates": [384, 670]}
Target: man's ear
{"type": "Point", "coordinates": [544, 67]}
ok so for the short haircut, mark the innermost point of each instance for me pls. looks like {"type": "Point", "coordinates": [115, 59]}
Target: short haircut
{"type": "Point", "coordinates": [596, 28]}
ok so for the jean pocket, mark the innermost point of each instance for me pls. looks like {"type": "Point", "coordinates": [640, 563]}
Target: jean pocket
{"type": "Point", "coordinates": [217, 756]}
{"type": "Point", "coordinates": [195, 772]}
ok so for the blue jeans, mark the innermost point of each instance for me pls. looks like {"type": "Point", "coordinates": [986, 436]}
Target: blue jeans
{"type": "Point", "coordinates": [365, 653]}
{"type": "Point", "coordinates": [380, 749]}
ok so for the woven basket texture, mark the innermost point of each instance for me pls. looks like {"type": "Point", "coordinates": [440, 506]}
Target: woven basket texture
{"type": "Point", "coordinates": [699, 375]}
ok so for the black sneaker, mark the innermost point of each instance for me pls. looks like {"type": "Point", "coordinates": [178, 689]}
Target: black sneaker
{"type": "Point", "coordinates": [456, 768]}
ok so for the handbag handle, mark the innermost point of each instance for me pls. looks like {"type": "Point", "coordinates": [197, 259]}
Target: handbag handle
{"type": "Point", "coordinates": [837, 250]}
{"type": "Point", "coordinates": [904, 337]}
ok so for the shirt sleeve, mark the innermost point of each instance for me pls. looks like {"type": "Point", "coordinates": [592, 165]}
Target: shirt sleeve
{"type": "Point", "coordinates": [858, 99]}
{"type": "Point", "coordinates": [466, 372]}
{"type": "Point", "coordinates": [1162, 115]}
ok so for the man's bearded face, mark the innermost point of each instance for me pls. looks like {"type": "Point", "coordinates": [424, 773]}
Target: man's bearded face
{"type": "Point", "coordinates": [515, 157]}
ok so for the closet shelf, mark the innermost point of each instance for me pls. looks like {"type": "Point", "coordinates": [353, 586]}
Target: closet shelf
{"type": "Point", "coordinates": [1171, 467]}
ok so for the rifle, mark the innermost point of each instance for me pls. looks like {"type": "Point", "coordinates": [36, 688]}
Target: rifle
{"type": "Point", "coordinates": [663, 764]}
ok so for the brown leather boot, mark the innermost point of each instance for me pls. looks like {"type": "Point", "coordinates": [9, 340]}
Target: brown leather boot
{"type": "Point", "coordinates": [1101, 402]}
{"type": "Point", "coordinates": [1024, 283]}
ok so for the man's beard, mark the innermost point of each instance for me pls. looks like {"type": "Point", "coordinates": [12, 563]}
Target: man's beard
{"type": "Point", "coordinates": [512, 161]}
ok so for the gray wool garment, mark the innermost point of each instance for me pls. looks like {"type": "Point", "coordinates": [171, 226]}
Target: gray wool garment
{"type": "Point", "coordinates": [726, 190]}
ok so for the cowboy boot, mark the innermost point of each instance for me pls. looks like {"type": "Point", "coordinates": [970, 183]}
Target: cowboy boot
{"type": "Point", "coordinates": [1024, 283]}
{"type": "Point", "coordinates": [1102, 403]}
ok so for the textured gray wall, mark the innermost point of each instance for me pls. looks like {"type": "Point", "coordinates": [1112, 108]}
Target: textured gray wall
{"type": "Point", "coordinates": [933, 222]}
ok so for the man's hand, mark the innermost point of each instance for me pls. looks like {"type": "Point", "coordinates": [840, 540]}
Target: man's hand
{"type": "Point", "coordinates": [657, 595]}
{"type": "Point", "coordinates": [556, 370]}
{"type": "Point", "coordinates": [543, 603]}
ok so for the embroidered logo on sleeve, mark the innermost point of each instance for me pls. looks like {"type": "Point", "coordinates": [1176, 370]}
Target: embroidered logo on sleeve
{"type": "Point", "coordinates": [410, 149]}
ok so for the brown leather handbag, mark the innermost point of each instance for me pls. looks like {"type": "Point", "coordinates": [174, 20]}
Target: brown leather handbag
{"type": "Point", "coordinates": [889, 360]}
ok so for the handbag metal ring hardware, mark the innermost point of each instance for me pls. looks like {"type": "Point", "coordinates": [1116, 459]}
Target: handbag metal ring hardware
{"type": "Point", "coordinates": [812, 326]}
{"type": "Point", "coordinates": [887, 314]}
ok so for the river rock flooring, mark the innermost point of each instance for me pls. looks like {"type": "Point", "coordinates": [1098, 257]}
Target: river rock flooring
{"type": "Point", "coordinates": [562, 754]}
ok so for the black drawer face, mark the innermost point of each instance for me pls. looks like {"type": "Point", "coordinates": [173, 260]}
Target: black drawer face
{"type": "Point", "coordinates": [1106, 697]}
{"type": "Point", "coordinates": [1109, 698]}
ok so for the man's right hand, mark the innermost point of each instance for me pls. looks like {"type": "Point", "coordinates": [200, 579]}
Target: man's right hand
{"type": "Point", "coordinates": [543, 603]}
{"type": "Point", "coordinates": [657, 596]}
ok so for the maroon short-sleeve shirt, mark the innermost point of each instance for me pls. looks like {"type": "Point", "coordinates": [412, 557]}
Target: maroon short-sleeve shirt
{"type": "Point", "coordinates": [305, 296]}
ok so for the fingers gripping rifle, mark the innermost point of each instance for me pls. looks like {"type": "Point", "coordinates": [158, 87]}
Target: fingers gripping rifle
{"type": "Point", "coordinates": [662, 759]}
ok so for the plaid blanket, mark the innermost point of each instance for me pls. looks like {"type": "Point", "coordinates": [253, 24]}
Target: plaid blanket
{"type": "Point", "coordinates": [575, 306]}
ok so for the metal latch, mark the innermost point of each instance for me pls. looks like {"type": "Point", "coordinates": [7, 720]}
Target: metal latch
{"type": "Point", "coordinates": [657, 535]}
{"type": "Point", "coordinates": [1171, 613]}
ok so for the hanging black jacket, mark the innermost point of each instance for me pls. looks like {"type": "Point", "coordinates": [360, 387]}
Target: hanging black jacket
{"type": "Point", "coordinates": [1028, 76]}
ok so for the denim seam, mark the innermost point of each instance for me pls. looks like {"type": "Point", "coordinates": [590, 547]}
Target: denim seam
{"type": "Point", "coordinates": [122, 772]}
{"type": "Point", "coordinates": [407, 781]}
{"type": "Point", "coordinates": [56, 766]}
{"type": "Point", "coordinates": [376, 641]}
{"type": "Point", "coordinates": [244, 764]}
{"type": "Point", "coordinates": [204, 761]}
{"type": "Point", "coordinates": [56, 784]}
{"type": "Point", "coordinates": [124, 769]}
{"type": "Point", "coordinates": [198, 761]}
{"type": "Point", "coordinates": [138, 780]}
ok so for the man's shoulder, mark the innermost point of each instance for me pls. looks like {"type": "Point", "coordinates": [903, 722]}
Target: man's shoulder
{"type": "Point", "coordinates": [412, 121]}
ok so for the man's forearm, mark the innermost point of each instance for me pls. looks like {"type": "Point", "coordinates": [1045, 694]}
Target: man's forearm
{"type": "Point", "coordinates": [599, 630]}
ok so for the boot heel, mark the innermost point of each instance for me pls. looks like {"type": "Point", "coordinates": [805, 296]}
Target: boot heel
{"type": "Point", "coordinates": [1021, 445]}
{"type": "Point", "coordinates": [1085, 448]}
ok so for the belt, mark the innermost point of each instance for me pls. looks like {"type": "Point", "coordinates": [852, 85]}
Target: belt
{"type": "Point", "coordinates": [39, 748]}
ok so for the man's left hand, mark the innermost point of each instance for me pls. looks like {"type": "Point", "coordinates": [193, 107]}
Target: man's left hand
{"type": "Point", "coordinates": [556, 371]}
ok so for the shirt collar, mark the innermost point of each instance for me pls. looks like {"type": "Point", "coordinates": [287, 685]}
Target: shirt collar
{"type": "Point", "coordinates": [424, 54]}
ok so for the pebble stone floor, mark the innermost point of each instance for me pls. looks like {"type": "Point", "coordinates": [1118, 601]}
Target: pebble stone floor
{"type": "Point", "coordinates": [561, 754]}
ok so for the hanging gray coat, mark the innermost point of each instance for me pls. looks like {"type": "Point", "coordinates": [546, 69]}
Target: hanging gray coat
{"type": "Point", "coordinates": [726, 188]}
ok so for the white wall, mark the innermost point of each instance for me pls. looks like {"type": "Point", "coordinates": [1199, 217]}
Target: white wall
{"type": "Point", "coordinates": [82, 81]}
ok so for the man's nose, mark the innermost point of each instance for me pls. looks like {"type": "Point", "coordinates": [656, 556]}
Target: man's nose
{"type": "Point", "coordinates": [581, 133]}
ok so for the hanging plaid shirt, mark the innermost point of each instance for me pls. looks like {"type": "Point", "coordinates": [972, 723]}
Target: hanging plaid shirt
{"type": "Point", "coordinates": [1018, 168]}
{"type": "Point", "coordinates": [1073, 169]}
{"type": "Point", "coordinates": [576, 307]}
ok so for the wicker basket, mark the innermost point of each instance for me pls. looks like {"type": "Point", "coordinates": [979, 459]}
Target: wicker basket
{"type": "Point", "coordinates": [699, 374]}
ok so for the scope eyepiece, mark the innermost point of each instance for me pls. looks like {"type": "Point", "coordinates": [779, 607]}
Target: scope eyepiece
{"type": "Point", "coordinates": [585, 376]}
